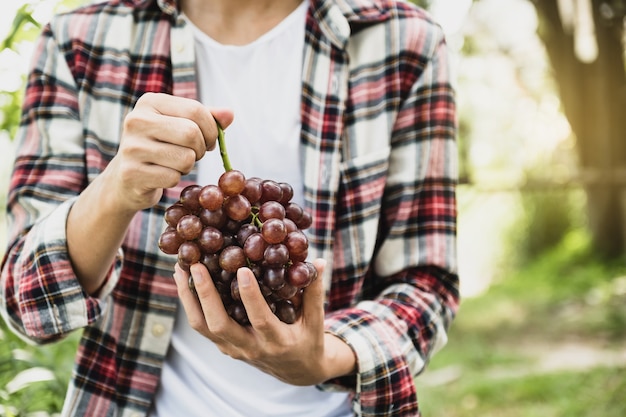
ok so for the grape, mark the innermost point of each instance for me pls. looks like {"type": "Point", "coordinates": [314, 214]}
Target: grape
{"type": "Point", "coordinates": [211, 197]}
{"type": "Point", "coordinates": [299, 257]}
{"type": "Point", "coordinates": [174, 213]}
{"type": "Point", "coordinates": [212, 264]}
{"type": "Point", "coordinates": [287, 291]}
{"type": "Point", "coordinates": [296, 300]}
{"type": "Point", "coordinates": [225, 277]}
{"type": "Point", "coordinates": [299, 275]}
{"type": "Point", "coordinates": [287, 192]}
{"type": "Point", "coordinates": [216, 218]}
{"type": "Point", "coordinates": [274, 231]}
{"type": "Point", "coordinates": [286, 311]}
{"type": "Point", "coordinates": [293, 212]}
{"type": "Point", "coordinates": [254, 247]}
{"type": "Point", "coordinates": [170, 241]}
{"type": "Point", "coordinates": [237, 207]}
{"type": "Point", "coordinates": [271, 210]}
{"type": "Point", "coordinates": [238, 313]}
{"type": "Point", "coordinates": [189, 198]}
{"type": "Point", "coordinates": [253, 190]}
{"type": "Point", "coordinates": [210, 240]}
{"type": "Point", "coordinates": [234, 290]}
{"type": "Point", "coordinates": [290, 225]}
{"type": "Point", "coordinates": [245, 231]}
{"type": "Point", "coordinates": [189, 253]}
{"type": "Point", "coordinates": [274, 278]}
{"type": "Point", "coordinates": [243, 222]}
{"type": "Point", "coordinates": [232, 182]}
{"type": "Point", "coordinates": [232, 258]}
{"type": "Point", "coordinates": [296, 242]}
{"type": "Point", "coordinates": [305, 221]}
{"type": "Point", "coordinates": [276, 255]}
{"type": "Point", "coordinates": [189, 227]}
{"type": "Point", "coordinates": [271, 191]}
{"type": "Point", "coordinates": [232, 226]}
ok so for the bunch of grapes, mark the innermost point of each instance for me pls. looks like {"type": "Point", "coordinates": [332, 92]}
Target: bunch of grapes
{"type": "Point", "coordinates": [243, 222]}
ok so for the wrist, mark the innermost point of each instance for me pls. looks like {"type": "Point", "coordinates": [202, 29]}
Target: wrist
{"type": "Point", "coordinates": [340, 359]}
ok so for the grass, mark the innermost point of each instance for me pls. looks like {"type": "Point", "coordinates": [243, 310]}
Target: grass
{"type": "Point", "coordinates": [537, 343]}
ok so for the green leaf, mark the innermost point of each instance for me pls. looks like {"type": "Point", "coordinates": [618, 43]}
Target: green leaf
{"type": "Point", "coordinates": [24, 15]}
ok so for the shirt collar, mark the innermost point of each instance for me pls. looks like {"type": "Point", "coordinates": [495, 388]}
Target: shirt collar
{"type": "Point", "coordinates": [167, 6]}
{"type": "Point", "coordinates": [337, 18]}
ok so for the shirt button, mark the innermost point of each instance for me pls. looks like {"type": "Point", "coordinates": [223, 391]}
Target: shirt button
{"type": "Point", "coordinates": [158, 330]}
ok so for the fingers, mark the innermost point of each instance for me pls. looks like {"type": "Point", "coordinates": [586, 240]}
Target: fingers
{"type": "Point", "coordinates": [218, 324]}
{"type": "Point", "coordinates": [313, 298]}
{"type": "Point", "coordinates": [193, 310]}
{"type": "Point", "coordinates": [179, 120]}
{"type": "Point", "coordinates": [259, 314]}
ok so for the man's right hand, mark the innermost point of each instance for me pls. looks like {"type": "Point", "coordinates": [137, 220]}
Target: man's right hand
{"type": "Point", "coordinates": [162, 139]}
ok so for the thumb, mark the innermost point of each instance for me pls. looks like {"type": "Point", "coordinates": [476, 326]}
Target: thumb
{"type": "Point", "coordinates": [313, 297]}
{"type": "Point", "coordinates": [223, 116]}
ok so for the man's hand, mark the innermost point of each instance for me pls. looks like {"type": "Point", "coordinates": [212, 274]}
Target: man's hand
{"type": "Point", "coordinates": [163, 137]}
{"type": "Point", "coordinates": [299, 354]}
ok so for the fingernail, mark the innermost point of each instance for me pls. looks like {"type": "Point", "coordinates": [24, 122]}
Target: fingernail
{"type": "Point", "coordinates": [197, 278]}
{"type": "Point", "coordinates": [243, 277]}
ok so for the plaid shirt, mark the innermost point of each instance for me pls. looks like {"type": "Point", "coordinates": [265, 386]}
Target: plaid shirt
{"type": "Point", "coordinates": [379, 167]}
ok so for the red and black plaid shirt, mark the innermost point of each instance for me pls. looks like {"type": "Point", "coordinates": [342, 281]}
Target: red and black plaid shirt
{"type": "Point", "coordinates": [379, 169]}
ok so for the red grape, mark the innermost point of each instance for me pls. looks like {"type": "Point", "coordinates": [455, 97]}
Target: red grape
{"type": "Point", "coordinates": [271, 191]}
{"type": "Point", "coordinates": [189, 197]}
{"type": "Point", "coordinates": [211, 197]}
{"type": "Point", "coordinates": [232, 182]}
{"type": "Point", "coordinates": [174, 213]}
{"type": "Point", "coordinates": [189, 253]}
{"type": "Point", "coordinates": [271, 210]}
{"type": "Point", "coordinates": [210, 240]}
{"type": "Point", "coordinates": [170, 241]}
{"type": "Point", "coordinates": [237, 207]}
{"type": "Point", "coordinates": [232, 258]}
{"type": "Point", "coordinates": [243, 223]}
{"type": "Point", "coordinates": [274, 231]}
{"type": "Point", "coordinates": [189, 227]}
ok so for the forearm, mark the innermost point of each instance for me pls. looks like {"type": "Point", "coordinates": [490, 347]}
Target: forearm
{"type": "Point", "coordinates": [95, 232]}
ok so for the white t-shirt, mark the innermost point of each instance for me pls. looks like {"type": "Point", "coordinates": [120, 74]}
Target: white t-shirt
{"type": "Point", "coordinates": [261, 82]}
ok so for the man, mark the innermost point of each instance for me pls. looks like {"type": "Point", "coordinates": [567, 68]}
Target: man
{"type": "Point", "coordinates": [120, 109]}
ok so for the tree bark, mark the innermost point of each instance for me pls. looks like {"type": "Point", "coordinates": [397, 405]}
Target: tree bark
{"type": "Point", "coordinates": [593, 96]}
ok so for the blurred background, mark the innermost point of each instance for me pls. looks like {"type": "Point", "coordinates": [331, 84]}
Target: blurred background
{"type": "Point", "coordinates": [541, 90]}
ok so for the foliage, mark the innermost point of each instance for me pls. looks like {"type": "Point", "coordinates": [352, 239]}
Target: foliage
{"type": "Point", "coordinates": [547, 216]}
{"type": "Point", "coordinates": [33, 378]}
{"type": "Point", "coordinates": [14, 48]}
{"type": "Point", "coordinates": [515, 350]}
{"type": "Point", "coordinates": [556, 291]}
{"type": "Point", "coordinates": [23, 29]}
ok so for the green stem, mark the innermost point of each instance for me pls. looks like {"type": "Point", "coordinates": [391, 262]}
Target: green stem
{"type": "Point", "coordinates": [222, 144]}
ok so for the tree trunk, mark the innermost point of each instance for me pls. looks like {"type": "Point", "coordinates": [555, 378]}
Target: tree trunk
{"type": "Point", "coordinates": [594, 101]}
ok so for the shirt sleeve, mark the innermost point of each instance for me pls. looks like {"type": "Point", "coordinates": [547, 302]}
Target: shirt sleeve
{"type": "Point", "coordinates": [396, 332]}
{"type": "Point", "coordinates": [40, 296]}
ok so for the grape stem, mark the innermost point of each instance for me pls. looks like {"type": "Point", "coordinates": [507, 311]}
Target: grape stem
{"type": "Point", "coordinates": [222, 144]}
